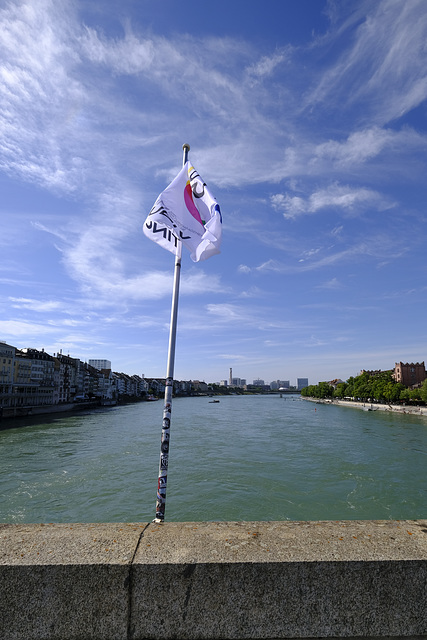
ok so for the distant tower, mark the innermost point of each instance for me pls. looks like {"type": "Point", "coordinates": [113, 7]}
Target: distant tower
{"type": "Point", "coordinates": [231, 377]}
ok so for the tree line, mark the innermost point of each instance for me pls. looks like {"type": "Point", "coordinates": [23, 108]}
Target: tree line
{"type": "Point", "coordinates": [379, 387]}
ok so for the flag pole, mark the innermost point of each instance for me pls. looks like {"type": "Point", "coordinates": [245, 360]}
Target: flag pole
{"type": "Point", "coordinates": [164, 445]}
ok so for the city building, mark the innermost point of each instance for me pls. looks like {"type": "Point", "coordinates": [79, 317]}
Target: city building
{"type": "Point", "coordinates": [100, 364]}
{"type": "Point", "coordinates": [32, 378]}
{"type": "Point", "coordinates": [334, 383]}
{"type": "Point", "coordinates": [233, 382]}
{"type": "Point", "coordinates": [200, 386]}
{"type": "Point", "coordinates": [258, 387]}
{"type": "Point", "coordinates": [42, 375]}
{"type": "Point", "coordinates": [7, 368]}
{"type": "Point", "coordinates": [238, 382]}
{"type": "Point", "coordinates": [301, 383]}
{"type": "Point", "coordinates": [410, 374]}
{"type": "Point", "coordinates": [279, 384]}
{"type": "Point", "coordinates": [66, 377]}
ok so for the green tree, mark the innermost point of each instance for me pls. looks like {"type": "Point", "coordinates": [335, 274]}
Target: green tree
{"type": "Point", "coordinates": [379, 389]}
{"type": "Point", "coordinates": [405, 395]}
{"type": "Point", "coordinates": [350, 387]}
{"type": "Point", "coordinates": [416, 395]}
{"type": "Point", "coordinates": [341, 390]}
{"type": "Point", "coordinates": [310, 391]}
{"type": "Point", "coordinates": [392, 391]}
{"type": "Point", "coordinates": [325, 390]}
{"type": "Point", "coordinates": [363, 386]}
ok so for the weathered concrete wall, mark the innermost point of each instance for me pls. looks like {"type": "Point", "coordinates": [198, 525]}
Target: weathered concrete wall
{"type": "Point", "coordinates": [213, 580]}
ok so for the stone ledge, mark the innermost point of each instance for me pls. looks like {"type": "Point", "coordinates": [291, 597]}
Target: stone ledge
{"type": "Point", "coordinates": [213, 580]}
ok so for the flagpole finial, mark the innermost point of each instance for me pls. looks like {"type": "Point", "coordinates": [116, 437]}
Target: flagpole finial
{"type": "Point", "coordinates": [185, 149]}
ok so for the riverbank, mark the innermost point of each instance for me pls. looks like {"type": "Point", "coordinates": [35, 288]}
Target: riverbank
{"type": "Point", "coordinates": [68, 407]}
{"type": "Point", "coordinates": [371, 406]}
{"type": "Point", "coordinates": [41, 410]}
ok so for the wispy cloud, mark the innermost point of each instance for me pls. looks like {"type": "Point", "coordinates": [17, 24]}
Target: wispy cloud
{"type": "Point", "coordinates": [386, 56]}
{"type": "Point", "coordinates": [377, 248]}
{"type": "Point", "coordinates": [16, 329]}
{"type": "Point", "coordinates": [332, 284]}
{"type": "Point", "coordinates": [348, 199]}
{"type": "Point", "coordinates": [272, 265]}
{"type": "Point", "coordinates": [267, 64]}
{"type": "Point", "coordinates": [316, 150]}
{"type": "Point", "coordinates": [36, 305]}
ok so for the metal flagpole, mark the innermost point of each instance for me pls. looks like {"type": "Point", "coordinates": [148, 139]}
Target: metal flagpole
{"type": "Point", "coordinates": [164, 446]}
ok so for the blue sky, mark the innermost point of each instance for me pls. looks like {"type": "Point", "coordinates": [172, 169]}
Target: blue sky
{"type": "Point", "coordinates": [307, 120]}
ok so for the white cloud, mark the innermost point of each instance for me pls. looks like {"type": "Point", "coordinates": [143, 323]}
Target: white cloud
{"type": "Point", "coordinates": [18, 329]}
{"type": "Point", "coordinates": [359, 146]}
{"type": "Point", "coordinates": [309, 253]}
{"type": "Point", "coordinates": [386, 57]}
{"type": "Point", "coordinates": [267, 64]}
{"type": "Point", "coordinates": [337, 231]}
{"type": "Point", "coordinates": [37, 92]}
{"type": "Point", "coordinates": [375, 247]}
{"type": "Point", "coordinates": [231, 357]}
{"type": "Point", "coordinates": [363, 146]}
{"type": "Point", "coordinates": [40, 306]}
{"type": "Point", "coordinates": [253, 292]}
{"type": "Point", "coordinates": [128, 55]}
{"type": "Point", "coordinates": [225, 312]}
{"type": "Point", "coordinates": [332, 284]}
{"type": "Point", "coordinates": [292, 205]}
{"type": "Point", "coordinates": [272, 265]}
{"type": "Point", "coordinates": [338, 196]}
{"type": "Point", "coordinates": [98, 120]}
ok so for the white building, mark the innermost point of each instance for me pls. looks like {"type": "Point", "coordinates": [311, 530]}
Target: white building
{"type": "Point", "coordinates": [100, 364]}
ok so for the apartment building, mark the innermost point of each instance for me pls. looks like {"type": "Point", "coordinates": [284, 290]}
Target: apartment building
{"type": "Point", "coordinates": [7, 367]}
{"type": "Point", "coordinates": [99, 363]}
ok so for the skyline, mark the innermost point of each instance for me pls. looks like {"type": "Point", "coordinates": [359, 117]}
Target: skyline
{"type": "Point", "coordinates": [307, 121]}
{"type": "Point", "coordinates": [105, 364]}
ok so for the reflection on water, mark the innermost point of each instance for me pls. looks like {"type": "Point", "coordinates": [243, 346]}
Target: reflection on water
{"type": "Point", "coordinates": [245, 458]}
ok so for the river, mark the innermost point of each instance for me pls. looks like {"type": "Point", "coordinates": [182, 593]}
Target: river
{"type": "Point", "coordinates": [244, 458]}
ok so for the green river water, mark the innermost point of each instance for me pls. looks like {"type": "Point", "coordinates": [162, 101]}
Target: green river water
{"type": "Point", "coordinates": [244, 458]}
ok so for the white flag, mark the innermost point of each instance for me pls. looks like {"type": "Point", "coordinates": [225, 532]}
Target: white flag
{"type": "Point", "coordinates": [186, 211]}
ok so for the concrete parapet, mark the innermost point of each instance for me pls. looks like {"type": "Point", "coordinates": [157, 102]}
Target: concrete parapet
{"type": "Point", "coordinates": [213, 580]}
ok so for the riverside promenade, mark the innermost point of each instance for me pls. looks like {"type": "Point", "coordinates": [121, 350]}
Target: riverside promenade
{"type": "Point", "coordinates": [371, 406]}
{"type": "Point", "coordinates": [191, 580]}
